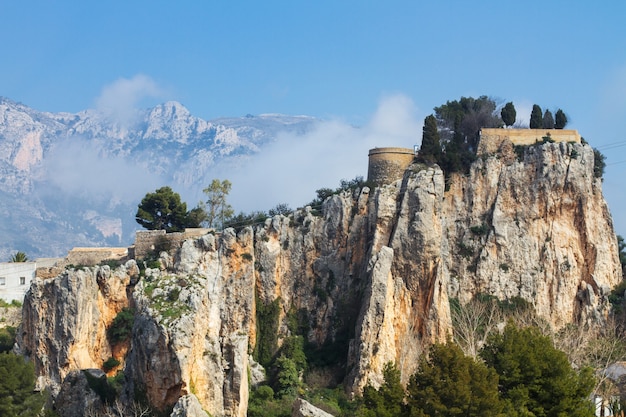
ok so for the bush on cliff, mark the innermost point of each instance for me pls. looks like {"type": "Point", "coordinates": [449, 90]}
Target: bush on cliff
{"type": "Point", "coordinates": [122, 326]}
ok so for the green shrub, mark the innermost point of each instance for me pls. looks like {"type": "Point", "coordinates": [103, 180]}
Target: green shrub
{"type": "Point", "coordinates": [173, 294]}
{"type": "Point", "coordinates": [599, 163]}
{"type": "Point", "coordinates": [465, 251]}
{"type": "Point", "coordinates": [111, 263]}
{"type": "Point", "coordinates": [7, 338]}
{"type": "Point", "coordinates": [122, 326]}
{"type": "Point", "coordinates": [519, 152]}
{"type": "Point", "coordinates": [504, 267]}
{"type": "Point", "coordinates": [246, 257]}
{"type": "Point", "coordinates": [13, 303]}
{"type": "Point", "coordinates": [267, 331]}
{"type": "Point", "coordinates": [481, 230]}
{"type": "Point", "coordinates": [110, 364]}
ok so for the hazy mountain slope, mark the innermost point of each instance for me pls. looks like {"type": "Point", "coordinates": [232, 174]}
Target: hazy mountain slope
{"type": "Point", "coordinates": [75, 179]}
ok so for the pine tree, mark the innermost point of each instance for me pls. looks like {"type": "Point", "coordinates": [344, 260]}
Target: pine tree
{"type": "Point", "coordinates": [386, 401]}
{"type": "Point", "coordinates": [448, 383]}
{"type": "Point", "coordinates": [17, 384]}
{"type": "Point", "coordinates": [535, 377]}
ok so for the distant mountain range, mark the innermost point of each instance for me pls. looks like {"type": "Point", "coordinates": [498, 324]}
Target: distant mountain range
{"type": "Point", "coordinates": [71, 180]}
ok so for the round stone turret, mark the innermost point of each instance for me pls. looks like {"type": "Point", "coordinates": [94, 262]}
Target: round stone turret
{"type": "Point", "coordinates": [387, 165]}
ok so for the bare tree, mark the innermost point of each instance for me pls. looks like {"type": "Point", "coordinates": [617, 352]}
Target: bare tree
{"type": "Point", "coordinates": [473, 323]}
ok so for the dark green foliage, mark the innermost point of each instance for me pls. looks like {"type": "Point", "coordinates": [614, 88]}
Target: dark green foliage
{"type": "Point", "coordinates": [246, 256]}
{"type": "Point", "coordinates": [287, 378]}
{"type": "Point", "coordinates": [263, 404]}
{"type": "Point", "coordinates": [7, 338]}
{"type": "Point", "coordinates": [480, 230]}
{"type": "Point", "coordinates": [430, 150]}
{"type": "Point", "coordinates": [17, 384]}
{"type": "Point", "coordinates": [560, 119]}
{"type": "Point", "coordinates": [323, 193]}
{"type": "Point", "coordinates": [448, 383]}
{"type": "Point", "coordinates": [173, 294]}
{"type": "Point", "coordinates": [621, 247]}
{"type": "Point", "coordinates": [122, 326]}
{"type": "Point", "coordinates": [548, 120]}
{"type": "Point", "coordinates": [599, 163]}
{"type": "Point", "coordinates": [195, 217]}
{"type": "Point", "coordinates": [459, 123]}
{"type": "Point", "coordinates": [536, 117]}
{"type": "Point", "coordinates": [298, 321]}
{"type": "Point", "coordinates": [293, 348]}
{"type": "Point", "coordinates": [461, 120]}
{"type": "Point", "coordinates": [13, 303]}
{"type": "Point", "coordinates": [386, 401]}
{"type": "Point", "coordinates": [465, 251]}
{"type": "Point", "coordinates": [282, 208]}
{"type": "Point", "coordinates": [267, 331]}
{"type": "Point", "coordinates": [111, 263]}
{"type": "Point", "coordinates": [535, 377]}
{"type": "Point", "coordinates": [164, 210]}
{"type": "Point", "coordinates": [110, 364]}
{"type": "Point", "coordinates": [508, 114]}
{"type": "Point", "coordinates": [242, 220]}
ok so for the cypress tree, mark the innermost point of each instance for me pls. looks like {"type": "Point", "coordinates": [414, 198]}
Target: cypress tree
{"type": "Point", "coordinates": [548, 120]}
{"type": "Point", "coordinates": [430, 150]}
{"type": "Point", "coordinates": [508, 114]}
{"type": "Point", "coordinates": [536, 117]}
{"type": "Point", "coordinates": [560, 119]}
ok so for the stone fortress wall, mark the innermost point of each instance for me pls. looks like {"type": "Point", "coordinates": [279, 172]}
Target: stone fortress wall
{"type": "Point", "coordinates": [492, 138]}
{"type": "Point", "coordinates": [148, 241]}
{"type": "Point", "coordinates": [387, 165]}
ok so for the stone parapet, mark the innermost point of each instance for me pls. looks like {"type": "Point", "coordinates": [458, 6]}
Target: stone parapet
{"type": "Point", "coordinates": [491, 139]}
{"type": "Point", "coordinates": [95, 256]}
{"type": "Point", "coordinates": [148, 242]}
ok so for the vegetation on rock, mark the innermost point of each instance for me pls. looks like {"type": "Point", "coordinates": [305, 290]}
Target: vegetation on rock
{"type": "Point", "coordinates": [164, 210]}
{"type": "Point", "coordinates": [218, 211]}
{"type": "Point", "coordinates": [17, 384]}
{"type": "Point", "coordinates": [122, 326]}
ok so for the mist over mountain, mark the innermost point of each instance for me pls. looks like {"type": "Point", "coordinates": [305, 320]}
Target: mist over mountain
{"type": "Point", "coordinates": [71, 180]}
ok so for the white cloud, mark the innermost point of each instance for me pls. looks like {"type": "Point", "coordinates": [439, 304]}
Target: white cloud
{"type": "Point", "coordinates": [76, 166]}
{"type": "Point", "coordinates": [120, 99]}
{"type": "Point", "coordinates": [294, 166]}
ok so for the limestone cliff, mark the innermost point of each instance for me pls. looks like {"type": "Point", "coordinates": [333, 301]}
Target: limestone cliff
{"type": "Point", "coordinates": [368, 280]}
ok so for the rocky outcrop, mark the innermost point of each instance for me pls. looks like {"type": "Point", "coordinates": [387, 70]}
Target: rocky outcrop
{"type": "Point", "coordinates": [64, 321]}
{"type": "Point", "coordinates": [534, 227]}
{"type": "Point", "coordinates": [367, 280]}
{"type": "Point", "coordinates": [303, 408]}
{"type": "Point", "coordinates": [188, 406]}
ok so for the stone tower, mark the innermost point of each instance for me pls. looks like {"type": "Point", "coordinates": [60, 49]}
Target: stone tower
{"type": "Point", "coordinates": [387, 165]}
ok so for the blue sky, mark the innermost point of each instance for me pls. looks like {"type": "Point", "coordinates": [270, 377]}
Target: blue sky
{"type": "Point", "coordinates": [337, 60]}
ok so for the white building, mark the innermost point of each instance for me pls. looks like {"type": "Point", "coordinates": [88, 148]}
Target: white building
{"type": "Point", "coordinates": [15, 278]}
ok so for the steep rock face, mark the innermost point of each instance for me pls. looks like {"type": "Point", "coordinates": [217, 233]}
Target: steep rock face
{"type": "Point", "coordinates": [367, 281]}
{"type": "Point", "coordinates": [191, 334]}
{"type": "Point", "coordinates": [64, 321]}
{"type": "Point", "coordinates": [536, 228]}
